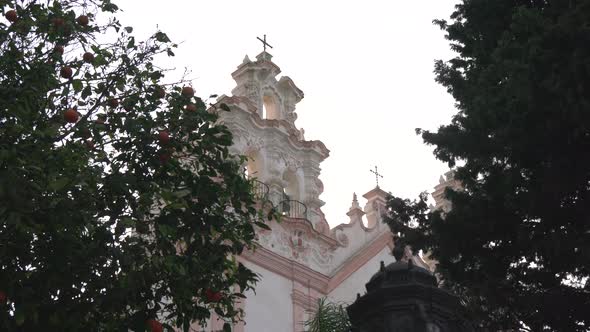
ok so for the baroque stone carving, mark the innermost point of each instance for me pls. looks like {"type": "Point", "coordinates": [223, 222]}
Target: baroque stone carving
{"type": "Point", "coordinates": [253, 93]}
{"type": "Point", "coordinates": [289, 161]}
{"type": "Point", "coordinates": [343, 239]}
{"type": "Point", "coordinates": [299, 245]}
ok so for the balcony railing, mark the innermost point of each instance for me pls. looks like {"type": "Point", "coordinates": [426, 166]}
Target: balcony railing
{"type": "Point", "coordinates": [287, 207]}
{"type": "Point", "coordinates": [261, 190]}
{"type": "Point", "coordinates": [293, 209]}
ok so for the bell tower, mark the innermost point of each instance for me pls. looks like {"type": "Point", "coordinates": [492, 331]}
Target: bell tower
{"type": "Point", "coordinates": [262, 120]}
{"type": "Point", "coordinates": [274, 100]}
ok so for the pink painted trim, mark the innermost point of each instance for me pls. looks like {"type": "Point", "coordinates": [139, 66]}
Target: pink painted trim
{"type": "Point", "coordinates": [287, 268]}
{"type": "Point", "coordinates": [302, 303]}
{"type": "Point", "coordinates": [359, 260]}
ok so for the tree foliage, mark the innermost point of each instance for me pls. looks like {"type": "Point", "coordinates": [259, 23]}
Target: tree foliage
{"type": "Point", "coordinates": [516, 243]}
{"type": "Point", "coordinates": [120, 206]}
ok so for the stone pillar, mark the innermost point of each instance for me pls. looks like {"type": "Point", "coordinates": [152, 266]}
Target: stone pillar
{"type": "Point", "coordinates": [375, 207]}
{"type": "Point", "coordinates": [312, 188]}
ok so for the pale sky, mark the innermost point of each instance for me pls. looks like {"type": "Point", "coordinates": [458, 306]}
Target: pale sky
{"type": "Point", "coordinates": [366, 68]}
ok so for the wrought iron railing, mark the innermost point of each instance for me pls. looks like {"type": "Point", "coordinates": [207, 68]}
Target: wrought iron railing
{"type": "Point", "coordinates": [293, 209]}
{"type": "Point", "coordinates": [261, 190]}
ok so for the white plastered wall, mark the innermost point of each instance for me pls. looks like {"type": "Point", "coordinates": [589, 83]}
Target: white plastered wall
{"type": "Point", "coordinates": [355, 283]}
{"type": "Point", "coordinates": [271, 309]}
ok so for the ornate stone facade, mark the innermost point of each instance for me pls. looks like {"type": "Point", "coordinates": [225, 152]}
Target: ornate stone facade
{"type": "Point", "coordinates": [300, 259]}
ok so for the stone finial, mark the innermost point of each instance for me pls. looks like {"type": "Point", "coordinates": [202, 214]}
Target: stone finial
{"type": "Point", "coordinates": [355, 202]}
{"type": "Point", "coordinates": [441, 179]}
{"type": "Point", "coordinates": [246, 59]}
{"type": "Point", "coordinates": [355, 212]}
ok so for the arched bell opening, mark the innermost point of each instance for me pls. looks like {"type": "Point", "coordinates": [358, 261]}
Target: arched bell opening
{"type": "Point", "coordinates": [292, 190]}
{"type": "Point", "coordinates": [253, 171]}
{"type": "Point", "coordinates": [291, 204]}
{"type": "Point", "coordinates": [270, 108]}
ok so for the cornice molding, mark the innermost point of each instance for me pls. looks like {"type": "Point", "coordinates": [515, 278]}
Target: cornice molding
{"type": "Point", "coordinates": [302, 274]}
{"type": "Point", "coordinates": [287, 268]}
{"type": "Point", "coordinates": [305, 225]}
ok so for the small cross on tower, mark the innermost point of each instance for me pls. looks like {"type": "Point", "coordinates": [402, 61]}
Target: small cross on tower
{"type": "Point", "coordinates": [264, 42]}
{"type": "Point", "coordinates": [377, 175]}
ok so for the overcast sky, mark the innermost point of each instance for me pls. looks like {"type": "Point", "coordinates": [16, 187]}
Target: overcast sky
{"type": "Point", "coordinates": [366, 68]}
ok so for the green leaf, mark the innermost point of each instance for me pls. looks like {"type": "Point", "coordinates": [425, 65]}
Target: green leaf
{"type": "Point", "coordinates": [162, 37]}
{"type": "Point", "coordinates": [182, 193]}
{"type": "Point", "coordinates": [59, 183]}
{"type": "Point", "coordinates": [129, 29]}
{"type": "Point", "coordinates": [77, 84]}
{"type": "Point", "coordinates": [262, 225]}
{"type": "Point", "coordinates": [166, 230]}
{"type": "Point", "coordinates": [131, 43]}
{"type": "Point", "coordinates": [52, 130]}
{"type": "Point", "coordinates": [86, 92]}
{"type": "Point", "coordinates": [127, 222]}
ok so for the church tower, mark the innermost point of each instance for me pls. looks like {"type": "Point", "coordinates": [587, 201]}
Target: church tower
{"type": "Point", "coordinates": [285, 165]}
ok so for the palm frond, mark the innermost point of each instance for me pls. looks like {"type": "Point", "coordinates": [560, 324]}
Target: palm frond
{"type": "Point", "coordinates": [328, 317]}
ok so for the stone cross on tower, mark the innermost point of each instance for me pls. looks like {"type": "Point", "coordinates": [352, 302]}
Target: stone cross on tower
{"type": "Point", "coordinates": [377, 175]}
{"type": "Point", "coordinates": [264, 43]}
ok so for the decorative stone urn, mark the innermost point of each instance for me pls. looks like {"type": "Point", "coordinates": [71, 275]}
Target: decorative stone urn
{"type": "Point", "coordinates": [403, 297]}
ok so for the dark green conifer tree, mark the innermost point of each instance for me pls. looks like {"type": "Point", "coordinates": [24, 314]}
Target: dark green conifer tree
{"type": "Point", "coordinates": [516, 243]}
